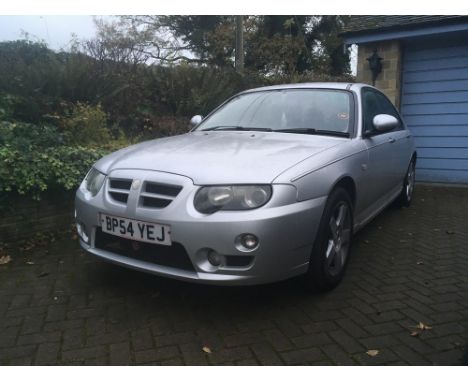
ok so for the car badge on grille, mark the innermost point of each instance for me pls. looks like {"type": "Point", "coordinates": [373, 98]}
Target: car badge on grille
{"type": "Point", "coordinates": [136, 184]}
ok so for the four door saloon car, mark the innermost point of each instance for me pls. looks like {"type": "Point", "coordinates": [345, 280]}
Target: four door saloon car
{"type": "Point", "coordinates": [272, 184]}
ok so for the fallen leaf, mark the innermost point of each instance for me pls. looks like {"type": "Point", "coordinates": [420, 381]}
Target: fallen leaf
{"type": "Point", "coordinates": [206, 349]}
{"type": "Point", "coordinates": [449, 232]}
{"type": "Point", "coordinates": [43, 274]}
{"type": "Point", "coordinates": [5, 260]}
{"type": "Point", "coordinates": [419, 263]}
{"type": "Point", "coordinates": [436, 229]}
{"type": "Point", "coordinates": [30, 262]}
{"type": "Point", "coordinates": [423, 326]}
{"type": "Point", "coordinates": [372, 353]}
{"type": "Point", "coordinates": [420, 327]}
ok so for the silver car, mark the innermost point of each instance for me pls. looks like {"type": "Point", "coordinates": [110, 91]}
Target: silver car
{"type": "Point", "coordinates": [272, 184]}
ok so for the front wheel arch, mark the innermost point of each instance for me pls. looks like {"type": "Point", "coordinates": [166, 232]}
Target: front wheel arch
{"type": "Point", "coordinates": [319, 275]}
{"type": "Point", "coordinates": [347, 183]}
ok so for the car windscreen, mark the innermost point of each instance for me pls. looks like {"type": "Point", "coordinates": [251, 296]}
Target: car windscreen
{"type": "Point", "coordinates": [283, 110]}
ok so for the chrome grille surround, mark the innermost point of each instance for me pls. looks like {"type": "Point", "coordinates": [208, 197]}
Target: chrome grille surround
{"type": "Point", "coordinates": [133, 190]}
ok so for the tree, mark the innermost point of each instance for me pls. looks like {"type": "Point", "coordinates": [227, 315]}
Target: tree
{"type": "Point", "coordinates": [273, 44]}
{"type": "Point", "coordinates": [210, 38]}
{"type": "Point", "coordinates": [326, 32]}
{"type": "Point", "coordinates": [29, 71]}
{"type": "Point", "coordinates": [298, 44]}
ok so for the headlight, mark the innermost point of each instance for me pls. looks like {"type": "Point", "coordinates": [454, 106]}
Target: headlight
{"type": "Point", "coordinates": [213, 198]}
{"type": "Point", "coordinates": [94, 180]}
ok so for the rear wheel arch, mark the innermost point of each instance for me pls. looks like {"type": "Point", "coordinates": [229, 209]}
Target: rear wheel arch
{"type": "Point", "coordinates": [406, 195]}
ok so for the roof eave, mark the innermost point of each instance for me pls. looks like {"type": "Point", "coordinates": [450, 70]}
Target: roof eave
{"type": "Point", "coordinates": [383, 34]}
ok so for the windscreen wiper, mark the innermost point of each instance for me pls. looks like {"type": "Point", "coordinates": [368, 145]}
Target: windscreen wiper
{"type": "Point", "coordinates": [240, 128]}
{"type": "Point", "coordinates": [311, 131]}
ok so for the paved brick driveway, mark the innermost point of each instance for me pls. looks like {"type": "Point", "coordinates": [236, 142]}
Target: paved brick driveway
{"type": "Point", "coordinates": [410, 265]}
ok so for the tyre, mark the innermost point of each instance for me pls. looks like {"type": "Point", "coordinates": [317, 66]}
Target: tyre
{"type": "Point", "coordinates": [332, 245]}
{"type": "Point", "coordinates": [406, 196]}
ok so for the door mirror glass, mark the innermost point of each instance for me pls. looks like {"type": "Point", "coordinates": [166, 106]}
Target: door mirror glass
{"type": "Point", "coordinates": [196, 119]}
{"type": "Point", "coordinates": [384, 122]}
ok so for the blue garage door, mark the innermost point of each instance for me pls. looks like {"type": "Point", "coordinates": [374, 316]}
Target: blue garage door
{"type": "Point", "coordinates": [434, 104]}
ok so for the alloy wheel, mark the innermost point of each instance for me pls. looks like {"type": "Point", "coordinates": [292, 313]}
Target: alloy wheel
{"type": "Point", "coordinates": [410, 182]}
{"type": "Point", "coordinates": [339, 239]}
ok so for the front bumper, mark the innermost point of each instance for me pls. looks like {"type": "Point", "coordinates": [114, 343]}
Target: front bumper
{"type": "Point", "coordinates": [286, 234]}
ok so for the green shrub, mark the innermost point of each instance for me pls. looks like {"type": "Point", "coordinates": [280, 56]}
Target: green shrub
{"type": "Point", "coordinates": [36, 159]}
{"type": "Point", "coordinates": [34, 171]}
{"type": "Point", "coordinates": [84, 125]}
{"type": "Point", "coordinates": [7, 104]}
{"type": "Point", "coordinates": [24, 136]}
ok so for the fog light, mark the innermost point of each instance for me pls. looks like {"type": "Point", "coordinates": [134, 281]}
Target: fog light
{"type": "Point", "coordinates": [249, 240]}
{"type": "Point", "coordinates": [214, 258]}
{"type": "Point", "coordinates": [79, 229]}
{"type": "Point", "coordinates": [81, 232]}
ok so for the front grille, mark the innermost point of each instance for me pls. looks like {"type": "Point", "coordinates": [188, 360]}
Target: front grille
{"type": "Point", "coordinates": [123, 184]}
{"type": "Point", "coordinates": [155, 202]}
{"type": "Point", "coordinates": [119, 197]}
{"type": "Point", "coordinates": [174, 256]}
{"type": "Point", "coordinates": [158, 195]}
{"type": "Point", "coordinates": [162, 189]}
{"type": "Point", "coordinates": [119, 189]}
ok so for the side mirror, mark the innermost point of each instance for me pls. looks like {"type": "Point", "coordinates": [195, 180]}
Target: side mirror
{"type": "Point", "coordinates": [196, 119]}
{"type": "Point", "coordinates": [384, 122]}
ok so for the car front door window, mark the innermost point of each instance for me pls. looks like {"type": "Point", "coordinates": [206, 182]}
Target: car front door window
{"type": "Point", "coordinates": [375, 103]}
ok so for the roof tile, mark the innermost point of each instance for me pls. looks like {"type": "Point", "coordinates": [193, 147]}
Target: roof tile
{"type": "Point", "coordinates": [358, 24]}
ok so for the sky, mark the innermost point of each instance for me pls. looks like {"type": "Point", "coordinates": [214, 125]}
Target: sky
{"type": "Point", "coordinates": [56, 31]}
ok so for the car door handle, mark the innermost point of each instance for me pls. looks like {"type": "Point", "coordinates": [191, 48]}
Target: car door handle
{"type": "Point", "coordinates": [391, 140]}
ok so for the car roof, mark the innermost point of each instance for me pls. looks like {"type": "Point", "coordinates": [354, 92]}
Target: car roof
{"type": "Point", "coordinates": [312, 85]}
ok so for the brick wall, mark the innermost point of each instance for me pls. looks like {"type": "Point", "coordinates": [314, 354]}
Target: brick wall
{"type": "Point", "coordinates": [388, 81]}
{"type": "Point", "coordinates": [23, 218]}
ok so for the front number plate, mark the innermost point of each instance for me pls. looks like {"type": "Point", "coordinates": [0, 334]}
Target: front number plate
{"type": "Point", "coordinates": [136, 230]}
